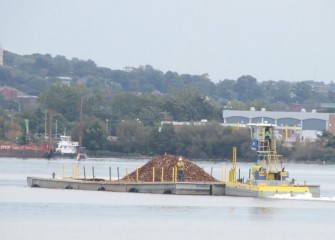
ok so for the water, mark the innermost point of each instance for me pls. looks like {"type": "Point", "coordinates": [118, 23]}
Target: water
{"type": "Point", "coordinates": [33, 213]}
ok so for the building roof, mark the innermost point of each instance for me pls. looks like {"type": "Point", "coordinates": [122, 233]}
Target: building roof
{"type": "Point", "coordinates": [276, 115]}
{"type": "Point", "coordinates": [19, 93]}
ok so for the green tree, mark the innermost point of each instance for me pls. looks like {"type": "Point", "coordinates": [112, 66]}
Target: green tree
{"type": "Point", "coordinates": [5, 121]}
{"type": "Point", "coordinates": [132, 137]}
{"type": "Point", "coordinates": [64, 99]}
{"type": "Point", "coordinates": [172, 81]}
{"type": "Point", "coordinates": [212, 141]}
{"type": "Point", "coordinates": [225, 90]}
{"type": "Point", "coordinates": [282, 92]}
{"type": "Point", "coordinates": [247, 88]}
{"type": "Point", "coordinates": [163, 140]}
{"type": "Point", "coordinates": [189, 105]}
{"type": "Point", "coordinates": [129, 106]}
{"type": "Point", "coordinates": [237, 105]}
{"type": "Point", "coordinates": [302, 92]}
{"type": "Point", "coordinates": [95, 136]}
{"type": "Point", "coordinates": [259, 104]}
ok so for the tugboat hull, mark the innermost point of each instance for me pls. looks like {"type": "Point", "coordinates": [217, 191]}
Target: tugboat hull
{"type": "Point", "coordinates": [263, 190]}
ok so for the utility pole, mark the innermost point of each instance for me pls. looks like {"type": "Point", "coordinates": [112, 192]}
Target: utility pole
{"type": "Point", "coordinates": [56, 128]}
{"type": "Point", "coordinates": [81, 123]}
{"type": "Point", "coordinates": [45, 125]}
{"type": "Point", "coordinates": [50, 127]}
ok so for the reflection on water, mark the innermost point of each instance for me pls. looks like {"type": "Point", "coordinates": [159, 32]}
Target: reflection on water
{"type": "Point", "coordinates": [262, 212]}
{"type": "Point", "coordinates": [32, 213]}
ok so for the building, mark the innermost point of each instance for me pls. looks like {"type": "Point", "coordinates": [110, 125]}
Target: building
{"type": "Point", "coordinates": [309, 123]}
{"type": "Point", "coordinates": [65, 80]}
{"type": "Point", "coordinates": [23, 100]}
{"type": "Point", "coordinates": [27, 102]}
{"type": "Point", "coordinates": [10, 93]}
{"type": "Point", "coordinates": [1, 57]}
{"type": "Point", "coordinates": [323, 90]}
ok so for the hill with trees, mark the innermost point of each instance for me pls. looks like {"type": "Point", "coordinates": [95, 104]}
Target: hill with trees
{"type": "Point", "coordinates": [131, 103]}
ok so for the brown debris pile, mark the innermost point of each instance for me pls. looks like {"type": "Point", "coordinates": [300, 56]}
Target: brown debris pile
{"type": "Point", "coordinates": [193, 173]}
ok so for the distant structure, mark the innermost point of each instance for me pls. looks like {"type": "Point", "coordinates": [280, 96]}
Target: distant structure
{"type": "Point", "coordinates": [23, 100]}
{"type": "Point", "coordinates": [1, 57]}
{"type": "Point", "coordinates": [310, 124]}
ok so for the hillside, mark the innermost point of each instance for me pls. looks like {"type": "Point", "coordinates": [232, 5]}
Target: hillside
{"type": "Point", "coordinates": [33, 74]}
{"type": "Point", "coordinates": [36, 73]}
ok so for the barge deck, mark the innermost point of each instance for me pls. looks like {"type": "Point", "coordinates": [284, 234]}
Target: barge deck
{"type": "Point", "coordinates": [178, 188]}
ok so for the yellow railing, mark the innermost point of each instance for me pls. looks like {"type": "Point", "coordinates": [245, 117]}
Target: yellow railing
{"type": "Point", "coordinates": [232, 172]}
{"type": "Point", "coordinates": [162, 178]}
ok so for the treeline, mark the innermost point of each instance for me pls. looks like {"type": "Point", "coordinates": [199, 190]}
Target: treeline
{"type": "Point", "coordinates": [207, 141]}
{"type": "Point", "coordinates": [35, 74]}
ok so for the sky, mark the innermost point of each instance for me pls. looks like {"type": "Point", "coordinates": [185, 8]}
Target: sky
{"type": "Point", "coordinates": [291, 40]}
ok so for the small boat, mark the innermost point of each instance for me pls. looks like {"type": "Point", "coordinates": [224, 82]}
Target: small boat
{"type": "Point", "coordinates": [66, 148]}
{"type": "Point", "coordinates": [266, 178]}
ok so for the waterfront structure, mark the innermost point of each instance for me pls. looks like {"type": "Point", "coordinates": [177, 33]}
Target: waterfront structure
{"type": "Point", "coordinates": [309, 123]}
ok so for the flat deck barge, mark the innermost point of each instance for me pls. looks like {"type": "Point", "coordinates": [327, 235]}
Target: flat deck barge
{"type": "Point", "coordinates": [178, 188]}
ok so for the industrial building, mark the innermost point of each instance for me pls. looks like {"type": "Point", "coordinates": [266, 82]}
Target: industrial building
{"type": "Point", "coordinates": [307, 124]}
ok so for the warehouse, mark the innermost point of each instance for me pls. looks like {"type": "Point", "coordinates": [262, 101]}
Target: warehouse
{"type": "Point", "coordinates": [309, 124]}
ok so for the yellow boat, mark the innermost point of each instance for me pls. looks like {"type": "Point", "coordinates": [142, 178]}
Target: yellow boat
{"type": "Point", "coordinates": [265, 178]}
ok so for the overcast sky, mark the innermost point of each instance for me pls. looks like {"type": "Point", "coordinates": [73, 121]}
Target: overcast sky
{"type": "Point", "coordinates": [291, 40]}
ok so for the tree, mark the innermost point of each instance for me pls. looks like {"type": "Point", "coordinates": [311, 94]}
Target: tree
{"type": "Point", "coordinates": [5, 121]}
{"type": "Point", "coordinates": [237, 105]}
{"type": "Point", "coordinates": [259, 104]}
{"type": "Point", "coordinates": [129, 106]}
{"type": "Point", "coordinates": [189, 105]}
{"type": "Point", "coordinates": [225, 90]}
{"type": "Point", "coordinates": [132, 137]}
{"type": "Point", "coordinates": [282, 92]}
{"type": "Point", "coordinates": [95, 136]}
{"type": "Point", "coordinates": [247, 88]}
{"type": "Point", "coordinates": [302, 92]}
{"type": "Point", "coordinates": [162, 140]}
{"type": "Point", "coordinates": [172, 81]}
{"type": "Point", "coordinates": [64, 99]}
{"type": "Point", "coordinates": [199, 83]}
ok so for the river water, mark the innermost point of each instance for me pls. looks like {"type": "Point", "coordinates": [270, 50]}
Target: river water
{"type": "Point", "coordinates": [34, 213]}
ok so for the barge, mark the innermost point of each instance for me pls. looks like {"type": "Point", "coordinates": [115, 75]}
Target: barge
{"type": "Point", "coordinates": [8, 149]}
{"type": "Point", "coordinates": [178, 188]}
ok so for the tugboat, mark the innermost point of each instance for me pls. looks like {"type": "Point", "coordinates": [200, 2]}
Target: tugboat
{"type": "Point", "coordinates": [66, 147]}
{"type": "Point", "coordinates": [265, 178]}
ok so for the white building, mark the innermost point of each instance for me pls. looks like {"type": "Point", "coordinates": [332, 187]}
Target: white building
{"type": "Point", "coordinates": [310, 123]}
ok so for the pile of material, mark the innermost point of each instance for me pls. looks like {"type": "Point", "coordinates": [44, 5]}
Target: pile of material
{"type": "Point", "coordinates": [193, 173]}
